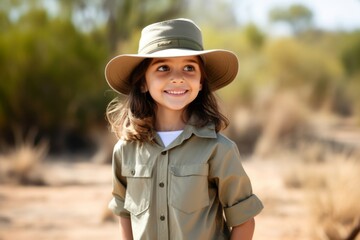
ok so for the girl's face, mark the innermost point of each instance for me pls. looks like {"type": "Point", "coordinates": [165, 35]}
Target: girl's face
{"type": "Point", "coordinates": [173, 83]}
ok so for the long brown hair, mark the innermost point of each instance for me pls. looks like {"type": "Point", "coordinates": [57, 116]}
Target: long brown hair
{"type": "Point", "coordinates": [133, 119]}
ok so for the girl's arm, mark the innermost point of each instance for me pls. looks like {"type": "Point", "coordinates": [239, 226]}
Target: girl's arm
{"type": "Point", "coordinates": [125, 228]}
{"type": "Point", "coordinates": [244, 231]}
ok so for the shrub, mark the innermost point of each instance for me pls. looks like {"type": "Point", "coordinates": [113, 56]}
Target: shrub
{"type": "Point", "coordinates": [333, 194]}
{"type": "Point", "coordinates": [22, 163]}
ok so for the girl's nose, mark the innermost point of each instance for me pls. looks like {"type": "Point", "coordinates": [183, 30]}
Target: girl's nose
{"type": "Point", "coordinates": [177, 77]}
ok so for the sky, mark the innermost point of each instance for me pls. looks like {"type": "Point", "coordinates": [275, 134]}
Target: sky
{"type": "Point", "coordinates": [328, 14]}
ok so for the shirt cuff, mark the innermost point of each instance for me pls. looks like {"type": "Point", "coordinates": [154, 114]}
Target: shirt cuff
{"type": "Point", "coordinates": [116, 205]}
{"type": "Point", "coordinates": [243, 211]}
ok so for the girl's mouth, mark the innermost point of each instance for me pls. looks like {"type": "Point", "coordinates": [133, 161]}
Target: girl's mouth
{"type": "Point", "coordinates": [176, 92]}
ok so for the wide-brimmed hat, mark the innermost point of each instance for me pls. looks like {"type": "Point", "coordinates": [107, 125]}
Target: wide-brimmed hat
{"type": "Point", "coordinates": [172, 38]}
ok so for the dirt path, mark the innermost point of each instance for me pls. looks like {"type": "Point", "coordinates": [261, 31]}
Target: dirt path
{"type": "Point", "coordinates": [73, 205]}
{"type": "Point", "coordinates": [285, 216]}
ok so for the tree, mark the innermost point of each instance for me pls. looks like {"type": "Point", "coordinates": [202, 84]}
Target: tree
{"type": "Point", "coordinates": [123, 17]}
{"type": "Point", "coordinates": [51, 76]}
{"type": "Point", "coordinates": [219, 14]}
{"type": "Point", "coordinates": [299, 17]}
{"type": "Point", "coordinates": [350, 55]}
{"type": "Point", "coordinates": [52, 64]}
{"type": "Point", "coordinates": [254, 35]}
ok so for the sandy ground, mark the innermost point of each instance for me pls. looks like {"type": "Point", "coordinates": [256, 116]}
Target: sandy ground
{"type": "Point", "coordinates": [73, 205]}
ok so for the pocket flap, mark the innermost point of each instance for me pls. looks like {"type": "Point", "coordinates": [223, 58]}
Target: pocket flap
{"type": "Point", "coordinates": [189, 170]}
{"type": "Point", "coordinates": [136, 171]}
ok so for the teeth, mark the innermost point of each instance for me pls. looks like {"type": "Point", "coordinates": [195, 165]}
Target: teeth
{"type": "Point", "coordinates": [176, 92]}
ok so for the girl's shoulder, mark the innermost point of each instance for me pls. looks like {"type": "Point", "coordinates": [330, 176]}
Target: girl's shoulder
{"type": "Point", "coordinates": [132, 147]}
{"type": "Point", "coordinates": [224, 141]}
{"type": "Point", "coordinates": [208, 133]}
{"type": "Point", "coordinates": [224, 149]}
{"type": "Point", "coordinates": [122, 144]}
{"type": "Point", "coordinates": [224, 144]}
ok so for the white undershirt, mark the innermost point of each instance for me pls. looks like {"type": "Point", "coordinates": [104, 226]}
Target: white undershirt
{"type": "Point", "coordinates": [169, 137]}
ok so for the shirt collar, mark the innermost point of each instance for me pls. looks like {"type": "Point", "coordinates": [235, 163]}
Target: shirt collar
{"type": "Point", "coordinates": [207, 131]}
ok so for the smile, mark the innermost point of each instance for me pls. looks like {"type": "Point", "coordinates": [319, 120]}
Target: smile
{"type": "Point", "coordinates": [176, 92]}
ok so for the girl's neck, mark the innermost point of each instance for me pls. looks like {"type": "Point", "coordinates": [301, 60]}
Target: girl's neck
{"type": "Point", "coordinates": [169, 121]}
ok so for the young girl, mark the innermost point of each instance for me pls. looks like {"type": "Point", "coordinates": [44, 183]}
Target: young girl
{"type": "Point", "coordinates": [174, 175]}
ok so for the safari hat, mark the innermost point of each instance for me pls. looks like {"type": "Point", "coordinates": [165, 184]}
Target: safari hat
{"type": "Point", "coordinates": [172, 38]}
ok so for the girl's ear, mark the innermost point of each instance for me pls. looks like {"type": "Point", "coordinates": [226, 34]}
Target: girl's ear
{"type": "Point", "coordinates": [200, 88]}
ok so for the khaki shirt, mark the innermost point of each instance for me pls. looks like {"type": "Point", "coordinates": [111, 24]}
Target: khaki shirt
{"type": "Point", "coordinates": [195, 188]}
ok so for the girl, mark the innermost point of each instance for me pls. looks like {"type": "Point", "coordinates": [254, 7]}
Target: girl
{"type": "Point", "coordinates": [174, 175]}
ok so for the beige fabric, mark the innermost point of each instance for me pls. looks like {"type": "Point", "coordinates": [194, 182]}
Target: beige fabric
{"type": "Point", "coordinates": [182, 191]}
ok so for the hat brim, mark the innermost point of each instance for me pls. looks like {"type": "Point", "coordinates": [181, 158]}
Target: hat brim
{"type": "Point", "coordinates": [221, 67]}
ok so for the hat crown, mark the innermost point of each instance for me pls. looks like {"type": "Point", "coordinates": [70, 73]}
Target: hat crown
{"type": "Point", "coordinates": [177, 33]}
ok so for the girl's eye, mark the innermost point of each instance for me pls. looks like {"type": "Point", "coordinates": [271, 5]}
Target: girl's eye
{"type": "Point", "coordinates": [189, 68]}
{"type": "Point", "coordinates": [163, 68]}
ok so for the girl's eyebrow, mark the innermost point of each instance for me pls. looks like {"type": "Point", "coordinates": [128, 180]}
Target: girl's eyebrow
{"type": "Point", "coordinates": [157, 61]}
{"type": "Point", "coordinates": [192, 61]}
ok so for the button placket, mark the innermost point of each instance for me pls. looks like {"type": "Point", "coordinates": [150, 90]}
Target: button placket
{"type": "Point", "coordinates": [162, 201]}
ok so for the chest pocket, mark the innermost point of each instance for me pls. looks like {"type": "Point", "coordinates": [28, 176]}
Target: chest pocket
{"type": "Point", "coordinates": [137, 198]}
{"type": "Point", "coordinates": [189, 187]}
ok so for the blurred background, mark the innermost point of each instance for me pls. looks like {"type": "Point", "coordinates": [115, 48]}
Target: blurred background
{"type": "Point", "coordinates": [294, 110]}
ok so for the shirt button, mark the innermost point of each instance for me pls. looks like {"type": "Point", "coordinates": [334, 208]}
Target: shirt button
{"type": "Point", "coordinates": [163, 153]}
{"type": "Point", "coordinates": [162, 218]}
{"type": "Point", "coordinates": [133, 172]}
{"type": "Point", "coordinates": [161, 184]}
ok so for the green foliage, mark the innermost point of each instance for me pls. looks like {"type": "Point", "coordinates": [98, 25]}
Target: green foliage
{"type": "Point", "coordinates": [299, 17]}
{"type": "Point", "coordinates": [247, 43]}
{"type": "Point", "coordinates": [253, 34]}
{"type": "Point", "coordinates": [128, 15]}
{"type": "Point", "coordinates": [350, 55]}
{"type": "Point", "coordinates": [309, 65]}
{"type": "Point", "coordinates": [213, 13]}
{"type": "Point", "coordinates": [51, 68]}
{"type": "Point", "coordinates": [52, 63]}
{"type": "Point", "coordinates": [313, 72]}
{"type": "Point", "coordinates": [51, 74]}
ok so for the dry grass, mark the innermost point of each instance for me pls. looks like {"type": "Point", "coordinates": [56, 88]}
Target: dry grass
{"type": "Point", "coordinates": [21, 164]}
{"type": "Point", "coordinates": [274, 117]}
{"type": "Point", "coordinates": [332, 189]}
{"type": "Point", "coordinates": [282, 115]}
{"type": "Point", "coordinates": [336, 206]}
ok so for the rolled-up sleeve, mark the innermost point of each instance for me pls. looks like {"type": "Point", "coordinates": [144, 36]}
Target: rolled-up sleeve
{"type": "Point", "coordinates": [116, 205]}
{"type": "Point", "coordinates": [243, 211]}
{"type": "Point", "coordinates": [234, 186]}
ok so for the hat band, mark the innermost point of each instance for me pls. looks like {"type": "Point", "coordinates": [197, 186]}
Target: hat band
{"type": "Point", "coordinates": [169, 43]}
